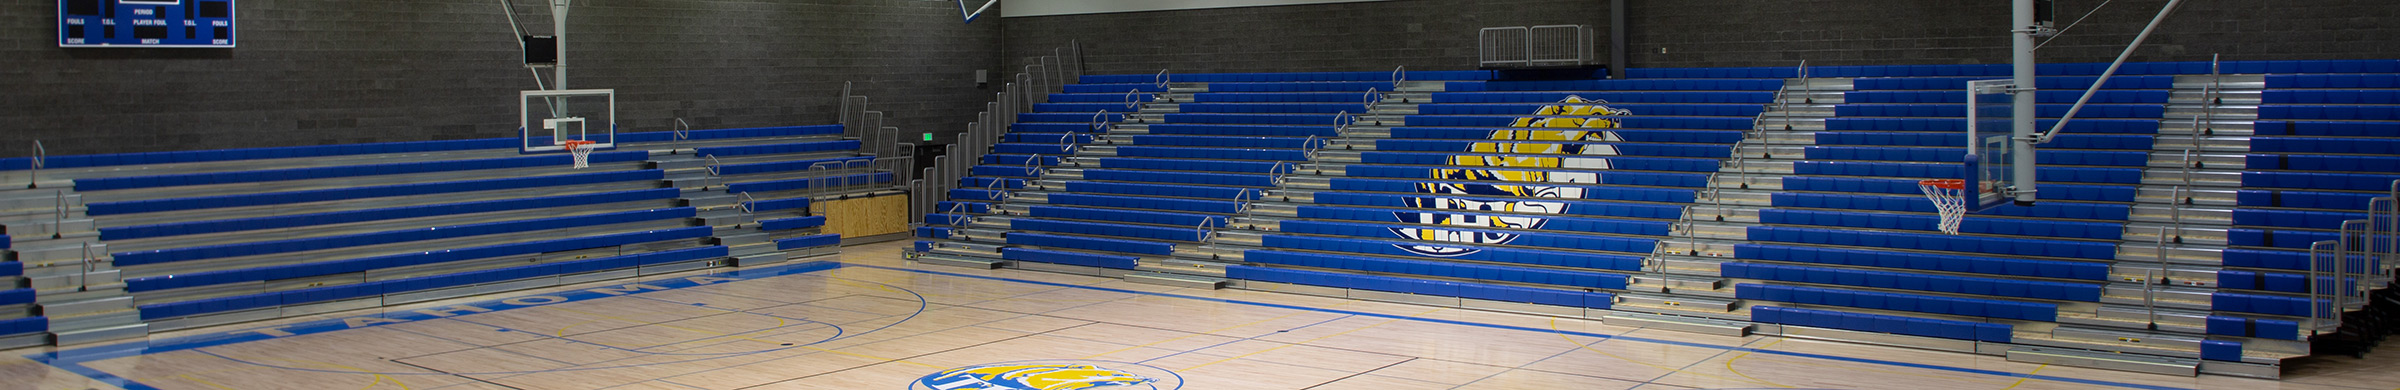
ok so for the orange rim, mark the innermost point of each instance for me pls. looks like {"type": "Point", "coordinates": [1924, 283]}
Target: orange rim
{"type": "Point", "coordinates": [1953, 184]}
{"type": "Point", "coordinates": [572, 144]}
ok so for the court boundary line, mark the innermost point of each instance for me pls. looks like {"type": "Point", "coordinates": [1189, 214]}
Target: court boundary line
{"type": "Point", "coordinates": [1536, 330]}
{"type": "Point", "coordinates": [71, 360]}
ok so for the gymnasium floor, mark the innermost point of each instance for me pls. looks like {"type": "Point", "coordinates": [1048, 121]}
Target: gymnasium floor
{"type": "Point", "coordinates": [873, 321]}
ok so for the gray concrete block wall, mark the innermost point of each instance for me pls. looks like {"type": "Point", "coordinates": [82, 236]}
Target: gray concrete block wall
{"type": "Point", "coordinates": [1371, 36]}
{"type": "Point", "coordinates": [1439, 34]}
{"type": "Point", "coordinates": [327, 72]}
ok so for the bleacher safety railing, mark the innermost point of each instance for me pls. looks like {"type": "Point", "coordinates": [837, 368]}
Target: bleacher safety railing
{"type": "Point", "coordinates": [41, 157]}
{"type": "Point", "coordinates": [1063, 66]}
{"type": "Point", "coordinates": [683, 130]}
{"type": "Point", "coordinates": [2368, 246]}
{"type": "Point", "coordinates": [1550, 45]}
{"type": "Point", "coordinates": [1399, 78]}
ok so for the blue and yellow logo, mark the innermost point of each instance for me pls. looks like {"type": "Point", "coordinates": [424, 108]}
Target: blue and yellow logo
{"type": "Point", "coordinates": [1548, 144]}
{"type": "Point", "coordinates": [1052, 375]}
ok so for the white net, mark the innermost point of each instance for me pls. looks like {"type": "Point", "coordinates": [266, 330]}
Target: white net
{"type": "Point", "coordinates": [1949, 199]}
{"type": "Point", "coordinates": [582, 152]}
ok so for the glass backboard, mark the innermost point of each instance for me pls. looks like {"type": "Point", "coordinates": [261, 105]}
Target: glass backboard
{"type": "Point", "coordinates": [548, 119]}
{"type": "Point", "coordinates": [1990, 154]}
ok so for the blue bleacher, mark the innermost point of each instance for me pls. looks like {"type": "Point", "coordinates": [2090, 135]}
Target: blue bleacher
{"type": "Point", "coordinates": [1228, 141]}
{"type": "Point", "coordinates": [2063, 141]}
{"type": "Point", "coordinates": [1441, 269]}
{"type": "Point", "coordinates": [1984, 226]}
{"type": "Point", "coordinates": [1917, 204]}
{"type": "Point", "coordinates": [267, 175]}
{"type": "Point", "coordinates": [1282, 97]}
{"type": "Point", "coordinates": [2384, 146]}
{"type": "Point", "coordinates": [2046, 82]}
{"type": "Point", "coordinates": [1181, 234]}
{"type": "Point", "coordinates": [2050, 191]}
{"type": "Point", "coordinates": [1595, 300]}
{"type": "Point", "coordinates": [2360, 112]}
{"type": "Point", "coordinates": [1325, 131]}
{"type": "Point", "coordinates": [422, 283]}
{"type": "Point", "coordinates": [1189, 191]}
{"type": "Point", "coordinates": [1613, 97]}
{"type": "Point", "coordinates": [397, 190]}
{"type": "Point", "coordinates": [1344, 86]}
{"type": "Point", "coordinates": [812, 241]}
{"type": "Point", "coordinates": [1654, 136]}
{"type": "Point", "coordinates": [1622, 149]}
{"type": "Point", "coordinates": [1658, 179]}
{"type": "Point", "coordinates": [1590, 192]}
{"type": "Point", "coordinates": [340, 217]}
{"type": "Point", "coordinates": [2318, 181]}
{"type": "Point", "coordinates": [1954, 155]}
{"type": "Point", "coordinates": [2253, 327]}
{"type": "Point", "coordinates": [2303, 199]}
{"type": "Point", "coordinates": [1952, 171]}
{"type": "Point", "coordinates": [2078, 126]}
{"type": "Point", "coordinates": [2041, 97]}
{"type": "Point", "coordinates": [1218, 179]}
{"type": "Point", "coordinates": [24, 325]}
{"type": "Point", "coordinates": [1531, 239]}
{"type": "Point", "coordinates": [1614, 163]}
{"type": "Point", "coordinates": [1968, 307]}
{"type": "Point", "coordinates": [1392, 247]}
{"type": "Point", "coordinates": [1572, 207]}
{"type": "Point", "coordinates": [1145, 202]}
{"type": "Point", "coordinates": [256, 248]}
{"type": "Point", "coordinates": [1550, 223]}
{"type": "Point", "coordinates": [1272, 108]}
{"type": "Point", "coordinates": [1620, 85]}
{"type": "Point", "coordinates": [2328, 129]}
{"type": "Point", "coordinates": [1091, 243]}
{"type": "Point", "coordinates": [1634, 122]}
{"type": "Point", "coordinates": [1213, 153]}
{"type": "Point", "coordinates": [2000, 287]}
{"type": "Point", "coordinates": [207, 278]}
{"type": "Point", "coordinates": [792, 223]}
{"type": "Point", "coordinates": [1132, 216]}
{"type": "Point", "coordinates": [2330, 97]}
{"type": "Point", "coordinates": [1742, 110]}
{"type": "Point", "coordinates": [2376, 164]}
{"type": "Point", "coordinates": [2044, 111]}
{"type": "Point", "coordinates": [1949, 329]}
{"type": "Point", "coordinates": [2054, 269]}
{"type": "Point", "coordinates": [795, 184]}
{"type": "Point", "coordinates": [1936, 242]}
{"type": "Point", "coordinates": [1069, 258]}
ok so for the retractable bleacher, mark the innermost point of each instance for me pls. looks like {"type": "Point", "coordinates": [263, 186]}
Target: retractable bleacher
{"type": "Point", "coordinates": [2176, 217]}
{"type": "Point", "coordinates": [162, 241]}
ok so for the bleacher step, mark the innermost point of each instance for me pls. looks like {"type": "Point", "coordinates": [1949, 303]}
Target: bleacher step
{"type": "Point", "coordinates": [2105, 360]}
{"type": "Point", "coordinates": [65, 308]}
{"type": "Point", "coordinates": [738, 240]}
{"type": "Point", "coordinates": [678, 164]}
{"type": "Point", "coordinates": [775, 257]}
{"type": "Point", "coordinates": [96, 335]}
{"type": "Point", "coordinates": [47, 251]}
{"type": "Point", "coordinates": [21, 231]}
{"type": "Point", "coordinates": [1679, 324]}
{"type": "Point", "coordinates": [958, 261]}
{"type": "Point", "coordinates": [723, 218]}
{"type": "Point", "coordinates": [71, 277]}
{"type": "Point", "coordinates": [1174, 280]}
{"type": "Point", "coordinates": [98, 320]}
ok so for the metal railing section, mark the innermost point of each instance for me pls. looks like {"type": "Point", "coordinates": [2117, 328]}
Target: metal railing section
{"type": "Point", "coordinates": [683, 130]}
{"type": "Point", "coordinates": [41, 158]}
{"type": "Point", "coordinates": [1535, 46]}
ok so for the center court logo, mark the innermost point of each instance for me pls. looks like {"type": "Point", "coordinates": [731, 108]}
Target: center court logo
{"type": "Point", "coordinates": [1051, 375]}
{"type": "Point", "coordinates": [1545, 148]}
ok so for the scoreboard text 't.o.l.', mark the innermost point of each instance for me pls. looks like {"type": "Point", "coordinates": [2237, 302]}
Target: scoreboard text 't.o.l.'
{"type": "Point", "coordinates": [145, 23]}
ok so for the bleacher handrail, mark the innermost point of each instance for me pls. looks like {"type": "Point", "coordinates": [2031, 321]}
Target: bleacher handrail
{"type": "Point", "coordinates": [1130, 103]}
{"type": "Point", "coordinates": [1161, 80]}
{"type": "Point", "coordinates": [1373, 98]}
{"type": "Point", "coordinates": [1399, 78]}
{"type": "Point", "coordinates": [41, 157]}
{"type": "Point", "coordinates": [745, 203]}
{"type": "Point", "coordinates": [683, 130]}
{"type": "Point", "coordinates": [1096, 126]}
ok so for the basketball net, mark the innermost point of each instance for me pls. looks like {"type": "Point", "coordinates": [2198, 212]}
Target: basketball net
{"type": "Point", "coordinates": [1949, 199]}
{"type": "Point", "coordinates": [583, 155]}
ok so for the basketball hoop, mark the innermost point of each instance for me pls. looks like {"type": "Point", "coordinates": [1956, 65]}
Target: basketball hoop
{"type": "Point", "coordinates": [583, 155]}
{"type": "Point", "coordinates": [1950, 198]}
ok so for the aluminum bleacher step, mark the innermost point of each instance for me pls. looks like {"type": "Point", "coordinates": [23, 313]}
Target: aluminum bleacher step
{"type": "Point", "coordinates": [2105, 360]}
{"type": "Point", "coordinates": [738, 240]}
{"type": "Point", "coordinates": [724, 218]}
{"type": "Point", "coordinates": [117, 300]}
{"type": "Point", "coordinates": [1175, 280]}
{"type": "Point", "coordinates": [709, 202]}
{"type": "Point", "coordinates": [960, 261]}
{"type": "Point", "coordinates": [59, 250]}
{"type": "Point", "coordinates": [678, 164]}
{"type": "Point", "coordinates": [71, 277]}
{"type": "Point", "coordinates": [102, 334]}
{"type": "Point", "coordinates": [1679, 324]}
{"type": "Point", "coordinates": [757, 259]}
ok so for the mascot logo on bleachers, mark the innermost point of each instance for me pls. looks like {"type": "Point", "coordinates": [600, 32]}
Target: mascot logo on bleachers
{"type": "Point", "coordinates": [1506, 180]}
{"type": "Point", "coordinates": [1051, 375]}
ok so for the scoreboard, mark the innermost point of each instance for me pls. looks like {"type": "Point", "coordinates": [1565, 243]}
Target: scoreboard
{"type": "Point", "coordinates": [145, 23]}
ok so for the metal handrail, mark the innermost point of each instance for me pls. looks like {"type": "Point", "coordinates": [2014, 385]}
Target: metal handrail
{"type": "Point", "coordinates": [1342, 127]}
{"type": "Point", "coordinates": [1399, 75]}
{"type": "Point", "coordinates": [1372, 98]}
{"type": "Point", "coordinates": [683, 129]}
{"type": "Point", "coordinates": [1066, 143]}
{"type": "Point", "coordinates": [714, 175]}
{"type": "Point", "coordinates": [1129, 101]}
{"type": "Point", "coordinates": [1200, 231]}
{"type": "Point", "coordinates": [41, 158]}
{"type": "Point", "coordinates": [1095, 125]}
{"type": "Point", "coordinates": [2316, 259]}
{"type": "Point", "coordinates": [59, 216]}
{"type": "Point", "coordinates": [746, 205]}
{"type": "Point", "coordinates": [1161, 79]}
{"type": "Point", "coordinates": [1309, 147]}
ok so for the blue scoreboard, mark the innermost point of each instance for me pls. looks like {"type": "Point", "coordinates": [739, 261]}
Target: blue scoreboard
{"type": "Point", "coordinates": [145, 23]}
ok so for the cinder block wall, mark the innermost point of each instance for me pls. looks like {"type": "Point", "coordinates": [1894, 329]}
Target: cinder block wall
{"type": "Point", "coordinates": [324, 72]}
{"type": "Point", "coordinates": [1439, 34]}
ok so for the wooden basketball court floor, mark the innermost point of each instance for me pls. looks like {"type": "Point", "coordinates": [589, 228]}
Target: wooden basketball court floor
{"type": "Point", "coordinates": [874, 321]}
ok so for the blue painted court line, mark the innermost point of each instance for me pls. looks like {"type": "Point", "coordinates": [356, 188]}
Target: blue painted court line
{"type": "Point", "coordinates": [1585, 334]}
{"type": "Point", "coordinates": [72, 360]}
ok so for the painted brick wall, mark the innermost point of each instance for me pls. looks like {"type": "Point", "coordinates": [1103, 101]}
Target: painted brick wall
{"type": "Point", "coordinates": [1372, 36]}
{"type": "Point", "coordinates": [321, 72]}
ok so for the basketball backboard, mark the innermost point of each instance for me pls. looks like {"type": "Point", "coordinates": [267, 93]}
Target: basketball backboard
{"type": "Point", "coordinates": [548, 119]}
{"type": "Point", "coordinates": [1990, 154]}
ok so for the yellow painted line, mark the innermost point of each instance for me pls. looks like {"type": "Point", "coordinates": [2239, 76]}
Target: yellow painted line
{"type": "Point", "coordinates": [1669, 370]}
{"type": "Point", "coordinates": [2021, 381]}
{"type": "Point", "coordinates": [1729, 364]}
{"type": "Point", "coordinates": [189, 377]}
{"type": "Point", "coordinates": [1310, 340]}
{"type": "Point", "coordinates": [1210, 332]}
